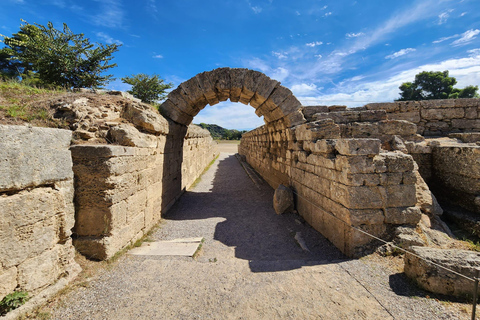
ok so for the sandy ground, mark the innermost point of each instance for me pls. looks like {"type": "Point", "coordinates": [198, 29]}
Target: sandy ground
{"type": "Point", "coordinates": [250, 267]}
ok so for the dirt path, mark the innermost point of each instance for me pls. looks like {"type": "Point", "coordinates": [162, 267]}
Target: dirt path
{"type": "Point", "coordinates": [250, 267]}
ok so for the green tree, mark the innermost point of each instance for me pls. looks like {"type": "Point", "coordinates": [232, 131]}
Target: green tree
{"type": "Point", "coordinates": [434, 85]}
{"type": "Point", "coordinates": [147, 88]}
{"type": "Point", "coordinates": [59, 57]}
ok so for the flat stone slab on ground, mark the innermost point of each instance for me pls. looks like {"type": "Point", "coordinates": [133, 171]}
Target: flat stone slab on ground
{"type": "Point", "coordinates": [177, 247]}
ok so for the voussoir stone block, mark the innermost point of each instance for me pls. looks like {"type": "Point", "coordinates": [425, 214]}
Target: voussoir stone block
{"type": "Point", "coordinates": [33, 156]}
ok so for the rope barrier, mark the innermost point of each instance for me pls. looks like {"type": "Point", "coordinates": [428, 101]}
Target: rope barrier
{"type": "Point", "coordinates": [379, 239]}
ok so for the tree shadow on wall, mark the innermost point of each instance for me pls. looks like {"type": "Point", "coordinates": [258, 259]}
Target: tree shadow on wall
{"type": "Point", "coordinates": [250, 224]}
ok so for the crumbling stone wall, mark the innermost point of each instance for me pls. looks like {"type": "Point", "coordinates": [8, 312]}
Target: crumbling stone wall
{"type": "Point", "coordinates": [435, 117]}
{"type": "Point", "coordinates": [36, 209]}
{"type": "Point", "coordinates": [122, 191]}
{"type": "Point", "coordinates": [337, 178]}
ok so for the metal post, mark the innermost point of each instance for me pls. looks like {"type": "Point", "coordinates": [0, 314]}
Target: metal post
{"type": "Point", "coordinates": [475, 295]}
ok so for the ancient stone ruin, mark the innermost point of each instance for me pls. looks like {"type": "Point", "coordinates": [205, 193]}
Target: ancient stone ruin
{"type": "Point", "coordinates": [106, 182]}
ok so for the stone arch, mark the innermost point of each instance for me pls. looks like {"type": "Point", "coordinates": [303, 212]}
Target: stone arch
{"type": "Point", "coordinates": [269, 98]}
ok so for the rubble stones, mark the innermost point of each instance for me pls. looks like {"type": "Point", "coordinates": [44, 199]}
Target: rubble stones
{"type": "Point", "coordinates": [283, 200]}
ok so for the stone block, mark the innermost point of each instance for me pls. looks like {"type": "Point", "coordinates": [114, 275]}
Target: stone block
{"type": "Point", "coordinates": [388, 107]}
{"type": "Point", "coordinates": [442, 114]}
{"type": "Point", "coordinates": [368, 217]}
{"type": "Point", "coordinates": [264, 89]}
{"type": "Point", "coordinates": [309, 111]}
{"type": "Point", "coordinates": [39, 271]}
{"type": "Point", "coordinates": [146, 118]}
{"type": "Point", "coordinates": [397, 127]}
{"type": "Point", "coordinates": [172, 111]}
{"type": "Point", "coordinates": [194, 92]}
{"type": "Point", "coordinates": [336, 108]}
{"type": "Point", "coordinates": [33, 156]}
{"type": "Point", "coordinates": [401, 195]}
{"type": "Point", "coordinates": [373, 115]}
{"type": "Point", "coordinates": [8, 281]}
{"type": "Point", "coordinates": [220, 79]}
{"type": "Point", "coordinates": [208, 88]}
{"type": "Point", "coordinates": [397, 162]}
{"type": "Point", "coordinates": [291, 105]}
{"type": "Point", "coordinates": [127, 135]}
{"type": "Point", "coordinates": [438, 280]}
{"type": "Point", "coordinates": [321, 129]}
{"type": "Point", "coordinates": [412, 116]}
{"type": "Point", "coordinates": [466, 124]}
{"type": "Point", "coordinates": [403, 215]}
{"type": "Point", "coordinates": [279, 94]}
{"type": "Point", "coordinates": [355, 164]}
{"type": "Point", "coordinates": [236, 80]}
{"type": "Point", "coordinates": [358, 146]}
{"type": "Point", "coordinates": [250, 84]}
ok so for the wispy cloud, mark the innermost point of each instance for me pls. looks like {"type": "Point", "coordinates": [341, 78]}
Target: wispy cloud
{"type": "Point", "coordinates": [111, 14]}
{"type": "Point", "coordinates": [327, 14]}
{"type": "Point", "coordinates": [304, 89]}
{"type": "Point", "coordinates": [354, 35]}
{"type": "Point", "coordinates": [280, 55]}
{"type": "Point", "coordinates": [108, 39]}
{"type": "Point", "coordinates": [466, 37]}
{"type": "Point", "coordinates": [230, 115]}
{"type": "Point", "coordinates": [314, 44]}
{"type": "Point", "coordinates": [400, 53]}
{"type": "Point", "coordinates": [445, 38]}
{"type": "Point", "coordinates": [355, 93]}
{"type": "Point", "coordinates": [157, 56]}
{"type": "Point", "coordinates": [443, 17]}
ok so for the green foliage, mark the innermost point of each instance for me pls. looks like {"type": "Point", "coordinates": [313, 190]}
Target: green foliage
{"type": "Point", "coordinates": [13, 301]}
{"type": "Point", "coordinates": [147, 88]}
{"type": "Point", "coordinates": [434, 85]}
{"type": "Point", "coordinates": [52, 57]}
{"type": "Point", "coordinates": [219, 133]}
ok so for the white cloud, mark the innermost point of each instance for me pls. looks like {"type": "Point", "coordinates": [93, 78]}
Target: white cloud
{"type": "Point", "coordinates": [466, 37]}
{"type": "Point", "coordinates": [354, 93]}
{"type": "Point", "coordinates": [297, 13]}
{"type": "Point", "coordinates": [158, 56]}
{"type": "Point", "coordinates": [474, 52]}
{"type": "Point", "coordinates": [443, 17]}
{"type": "Point", "coordinates": [314, 44]}
{"type": "Point", "coordinates": [304, 89]}
{"type": "Point", "coordinates": [324, 7]}
{"type": "Point", "coordinates": [111, 14]}
{"type": "Point", "coordinates": [318, 56]}
{"type": "Point", "coordinates": [445, 38]}
{"type": "Point", "coordinates": [230, 116]}
{"type": "Point", "coordinates": [357, 78]}
{"type": "Point", "coordinates": [354, 35]}
{"type": "Point", "coordinates": [463, 13]}
{"type": "Point", "coordinates": [327, 14]}
{"type": "Point", "coordinates": [108, 39]}
{"type": "Point", "coordinates": [280, 55]}
{"type": "Point", "coordinates": [400, 53]}
{"type": "Point", "coordinates": [278, 74]}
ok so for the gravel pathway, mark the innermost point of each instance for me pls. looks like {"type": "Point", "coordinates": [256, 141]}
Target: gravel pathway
{"type": "Point", "coordinates": [250, 267]}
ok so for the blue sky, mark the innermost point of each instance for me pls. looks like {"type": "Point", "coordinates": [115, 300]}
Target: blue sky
{"type": "Point", "coordinates": [327, 52]}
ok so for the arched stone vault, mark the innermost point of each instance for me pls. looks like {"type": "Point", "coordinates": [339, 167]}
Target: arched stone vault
{"type": "Point", "coordinates": [269, 98]}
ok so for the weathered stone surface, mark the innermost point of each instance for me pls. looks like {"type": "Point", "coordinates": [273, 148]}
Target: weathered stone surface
{"type": "Point", "coordinates": [321, 129]}
{"type": "Point", "coordinates": [8, 281]}
{"type": "Point", "coordinates": [195, 93]}
{"type": "Point", "coordinates": [426, 201]}
{"type": "Point", "coordinates": [283, 200]}
{"type": "Point", "coordinates": [127, 135]}
{"type": "Point", "coordinates": [438, 280]}
{"type": "Point", "coordinates": [33, 156]}
{"type": "Point", "coordinates": [309, 111]}
{"type": "Point", "coordinates": [250, 84]}
{"type": "Point", "coordinates": [406, 237]}
{"type": "Point", "coordinates": [358, 146]}
{"type": "Point", "coordinates": [39, 271]}
{"type": "Point", "coordinates": [398, 215]}
{"type": "Point", "coordinates": [220, 79]}
{"type": "Point", "coordinates": [146, 119]}
{"type": "Point", "coordinates": [236, 79]}
{"type": "Point", "coordinates": [170, 110]}
{"type": "Point", "coordinates": [208, 88]}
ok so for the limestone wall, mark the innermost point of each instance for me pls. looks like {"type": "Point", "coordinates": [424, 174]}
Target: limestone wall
{"type": "Point", "coordinates": [336, 179]}
{"type": "Point", "coordinates": [36, 209]}
{"type": "Point", "coordinates": [122, 191]}
{"type": "Point", "coordinates": [435, 117]}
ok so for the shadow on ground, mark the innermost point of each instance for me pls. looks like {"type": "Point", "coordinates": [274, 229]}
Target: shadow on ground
{"type": "Point", "coordinates": [259, 235]}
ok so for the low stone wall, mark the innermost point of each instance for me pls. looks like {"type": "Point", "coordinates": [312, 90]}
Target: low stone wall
{"type": "Point", "coordinates": [36, 209]}
{"type": "Point", "coordinates": [435, 117]}
{"type": "Point", "coordinates": [456, 174]}
{"type": "Point", "coordinates": [337, 181]}
{"type": "Point", "coordinates": [122, 191]}
{"type": "Point", "coordinates": [199, 150]}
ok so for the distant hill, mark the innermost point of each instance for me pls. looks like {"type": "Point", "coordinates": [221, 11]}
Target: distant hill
{"type": "Point", "coordinates": [219, 133]}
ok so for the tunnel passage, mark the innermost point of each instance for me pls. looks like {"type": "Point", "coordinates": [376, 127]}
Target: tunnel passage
{"type": "Point", "coordinates": [269, 98]}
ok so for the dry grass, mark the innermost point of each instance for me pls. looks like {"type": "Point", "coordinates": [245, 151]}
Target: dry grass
{"type": "Point", "coordinates": [24, 104]}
